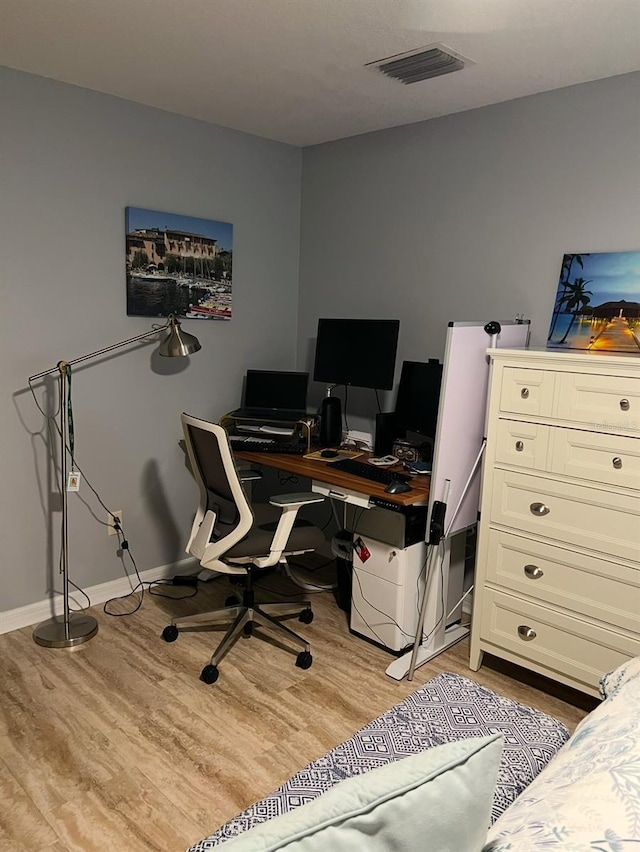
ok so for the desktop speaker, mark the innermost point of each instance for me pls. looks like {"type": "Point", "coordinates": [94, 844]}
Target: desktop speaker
{"type": "Point", "coordinates": [331, 422]}
{"type": "Point", "coordinates": [388, 429]}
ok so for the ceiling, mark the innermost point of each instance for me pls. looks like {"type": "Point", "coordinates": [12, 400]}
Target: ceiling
{"type": "Point", "coordinates": [295, 70]}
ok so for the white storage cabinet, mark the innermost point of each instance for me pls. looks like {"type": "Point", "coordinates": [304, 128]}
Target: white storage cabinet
{"type": "Point", "coordinates": [557, 586]}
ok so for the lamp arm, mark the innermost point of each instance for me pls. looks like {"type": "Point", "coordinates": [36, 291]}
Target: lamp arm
{"type": "Point", "coordinates": [63, 634]}
{"type": "Point", "coordinates": [104, 351]}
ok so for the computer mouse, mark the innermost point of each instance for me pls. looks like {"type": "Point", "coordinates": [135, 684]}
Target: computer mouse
{"type": "Point", "coordinates": [329, 454]}
{"type": "Point", "coordinates": [397, 487]}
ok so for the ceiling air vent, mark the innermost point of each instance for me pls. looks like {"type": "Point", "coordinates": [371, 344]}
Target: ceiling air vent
{"type": "Point", "coordinates": [422, 65]}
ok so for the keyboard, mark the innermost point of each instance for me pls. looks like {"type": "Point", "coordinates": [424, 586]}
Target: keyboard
{"type": "Point", "coordinates": [369, 471]}
{"type": "Point", "coordinates": [288, 449]}
{"type": "Point", "coordinates": [253, 444]}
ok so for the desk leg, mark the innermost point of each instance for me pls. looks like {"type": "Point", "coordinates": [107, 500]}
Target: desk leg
{"type": "Point", "coordinates": [432, 617]}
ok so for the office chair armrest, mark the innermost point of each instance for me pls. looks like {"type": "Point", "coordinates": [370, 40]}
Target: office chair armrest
{"type": "Point", "coordinates": [296, 499]}
{"type": "Point", "coordinates": [201, 534]}
{"type": "Point", "coordinates": [290, 504]}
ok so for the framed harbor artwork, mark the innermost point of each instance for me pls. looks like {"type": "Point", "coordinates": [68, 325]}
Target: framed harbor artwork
{"type": "Point", "coordinates": [597, 305]}
{"type": "Point", "coordinates": [178, 265]}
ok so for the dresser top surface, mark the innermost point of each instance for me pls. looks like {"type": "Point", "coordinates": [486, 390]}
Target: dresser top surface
{"type": "Point", "coordinates": [605, 361]}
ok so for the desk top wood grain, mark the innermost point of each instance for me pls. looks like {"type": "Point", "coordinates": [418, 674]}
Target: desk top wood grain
{"type": "Point", "coordinates": [324, 471]}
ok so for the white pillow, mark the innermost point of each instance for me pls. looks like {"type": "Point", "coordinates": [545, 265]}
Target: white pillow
{"type": "Point", "coordinates": [439, 799]}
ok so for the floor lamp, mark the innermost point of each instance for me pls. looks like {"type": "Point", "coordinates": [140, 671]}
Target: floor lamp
{"type": "Point", "coordinates": [74, 629]}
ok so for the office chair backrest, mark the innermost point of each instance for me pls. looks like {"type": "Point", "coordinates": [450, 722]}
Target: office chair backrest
{"type": "Point", "coordinates": [221, 491]}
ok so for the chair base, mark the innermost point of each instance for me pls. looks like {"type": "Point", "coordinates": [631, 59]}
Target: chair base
{"type": "Point", "coordinates": [245, 616]}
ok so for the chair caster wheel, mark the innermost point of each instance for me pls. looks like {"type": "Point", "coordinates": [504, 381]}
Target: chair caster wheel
{"type": "Point", "coordinates": [170, 633]}
{"type": "Point", "coordinates": [209, 674]}
{"type": "Point", "coordinates": [306, 616]}
{"type": "Point", "coordinates": [248, 628]}
{"type": "Point", "coordinates": [304, 660]}
{"type": "Point", "coordinates": [232, 600]}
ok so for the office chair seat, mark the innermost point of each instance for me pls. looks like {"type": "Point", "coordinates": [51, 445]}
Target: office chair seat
{"type": "Point", "coordinates": [230, 536]}
{"type": "Point", "coordinates": [303, 537]}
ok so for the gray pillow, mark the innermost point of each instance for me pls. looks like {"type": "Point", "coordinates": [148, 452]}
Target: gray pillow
{"type": "Point", "coordinates": [439, 799]}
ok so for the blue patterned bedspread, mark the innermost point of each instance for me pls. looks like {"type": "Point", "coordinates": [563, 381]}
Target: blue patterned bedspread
{"type": "Point", "coordinates": [588, 800]}
{"type": "Point", "coordinates": [446, 708]}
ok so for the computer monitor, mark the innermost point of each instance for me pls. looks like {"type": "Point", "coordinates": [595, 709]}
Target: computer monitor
{"type": "Point", "coordinates": [276, 389]}
{"type": "Point", "coordinates": [358, 352]}
{"type": "Point", "coordinates": [418, 396]}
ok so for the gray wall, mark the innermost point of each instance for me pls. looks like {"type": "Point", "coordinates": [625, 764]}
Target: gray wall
{"type": "Point", "coordinates": [460, 218]}
{"type": "Point", "coordinates": [466, 218]}
{"type": "Point", "coordinates": [71, 161]}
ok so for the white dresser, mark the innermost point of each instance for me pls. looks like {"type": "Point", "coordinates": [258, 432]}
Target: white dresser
{"type": "Point", "coordinates": [557, 586]}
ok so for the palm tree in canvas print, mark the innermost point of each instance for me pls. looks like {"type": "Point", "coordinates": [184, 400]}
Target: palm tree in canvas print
{"type": "Point", "coordinates": [597, 304]}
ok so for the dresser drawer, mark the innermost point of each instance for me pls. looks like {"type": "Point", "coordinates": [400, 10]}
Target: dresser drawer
{"type": "Point", "coordinates": [605, 521]}
{"type": "Point", "coordinates": [563, 644]}
{"type": "Point", "coordinates": [583, 584]}
{"type": "Point", "coordinates": [596, 457]}
{"type": "Point", "coordinates": [602, 403]}
{"type": "Point", "coordinates": [526, 391]}
{"type": "Point", "coordinates": [522, 444]}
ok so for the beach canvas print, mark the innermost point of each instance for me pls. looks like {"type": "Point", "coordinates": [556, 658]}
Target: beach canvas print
{"type": "Point", "coordinates": [597, 305]}
{"type": "Point", "coordinates": [178, 265]}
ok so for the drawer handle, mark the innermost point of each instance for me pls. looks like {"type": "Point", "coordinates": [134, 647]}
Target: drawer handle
{"type": "Point", "coordinates": [624, 404]}
{"type": "Point", "coordinates": [524, 393]}
{"type": "Point", "coordinates": [617, 463]}
{"type": "Point", "coordinates": [539, 509]}
{"type": "Point", "coordinates": [519, 446]}
{"type": "Point", "coordinates": [533, 572]}
{"type": "Point", "coordinates": [527, 634]}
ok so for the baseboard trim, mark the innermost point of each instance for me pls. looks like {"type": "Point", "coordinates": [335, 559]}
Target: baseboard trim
{"type": "Point", "coordinates": [34, 613]}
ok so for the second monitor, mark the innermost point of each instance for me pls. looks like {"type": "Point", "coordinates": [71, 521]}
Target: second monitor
{"type": "Point", "coordinates": [419, 396]}
{"type": "Point", "coordinates": [416, 413]}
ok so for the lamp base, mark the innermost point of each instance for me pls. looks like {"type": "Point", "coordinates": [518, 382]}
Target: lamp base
{"type": "Point", "coordinates": [54, 633]}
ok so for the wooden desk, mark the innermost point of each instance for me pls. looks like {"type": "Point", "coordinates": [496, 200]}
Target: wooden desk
{"type": "Point", "coordinates": [370, 594]}
{"type": "Point", "coordinates": [325, 472]}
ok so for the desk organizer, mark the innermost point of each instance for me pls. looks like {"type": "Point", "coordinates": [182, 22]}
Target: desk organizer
{"type": "Point", "coordinates": [286, 431]}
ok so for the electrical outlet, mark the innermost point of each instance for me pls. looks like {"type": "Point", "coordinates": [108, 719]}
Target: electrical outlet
{"type": "Point", "coordinates": [110, 527]}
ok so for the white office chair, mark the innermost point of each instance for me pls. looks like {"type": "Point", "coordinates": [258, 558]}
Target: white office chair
{"type": "Point", "coordinates": [230, 536]}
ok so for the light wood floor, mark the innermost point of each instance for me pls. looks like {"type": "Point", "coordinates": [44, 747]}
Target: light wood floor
{"type": "Point", "coordinates": [116, 744]}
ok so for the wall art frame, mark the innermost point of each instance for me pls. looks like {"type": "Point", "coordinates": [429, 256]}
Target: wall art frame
{"type": "Point", "coordinates": [179, 265]}
{"type": "Point", "coordinates": [597, 304]}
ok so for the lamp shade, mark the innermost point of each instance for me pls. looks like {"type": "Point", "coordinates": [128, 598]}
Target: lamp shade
{"type": "Point", "coordinates": [178, 344]}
